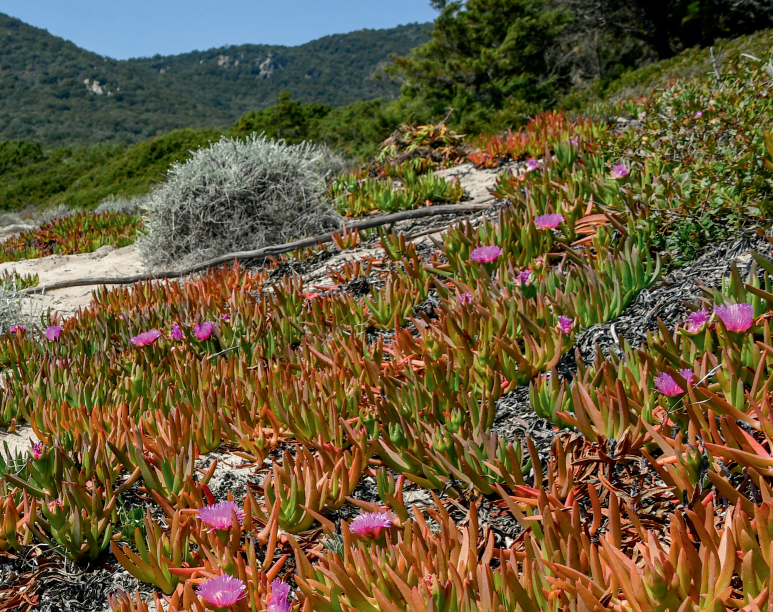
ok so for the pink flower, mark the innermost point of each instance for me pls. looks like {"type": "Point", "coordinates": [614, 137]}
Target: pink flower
{"type": "Point", "coordinates": [203, 330]}
{"type": "Point", "coordinates": [667, 385]}
{"type": "Point", "coordinates": [226, 317]}
{"type": "Point", "coordinates": [619, 171]}
{"type": "Point", "coordinates": [219, 516]}
{"type": "Point", "coordinates": [146, 338]}
{"type": "Point", "coordinates": [532, 164]}
{"type": "Point", "coordinates": [55, 506]}
{"type": "Point", "coordinates": [53, 332]}
{"type": "Point", "coordinates": [37, 450]}
{"type": "Point", "coordinates": [17, 328]}
{"type": "Point", "coordinates": [688, 375]}
{"type": "Point", "coordinates": [371, 524]}
{"type": "Point", "coordinates": [280, 597]}
{"type": "Point", "coordinates": [699, 114]}
{"type": "Point", "coordinates": [222, 591]}
{"type": "Point", "coordinates": [465, 298]}
{"type": "Point", "coordinates": [736, 317]}
{"type": "Point", "coordinates": [549, 221]}
{"type": "Point", "coordinates": [565, 324]}
{"type": "Point", "coordinates": [176, 333]}
{"type": "Point", "coordinates": [485, 254]}
{"type": "Point", "coordinates": [523, 278]}
{"type": "Point", "coordinates": [697, 319]}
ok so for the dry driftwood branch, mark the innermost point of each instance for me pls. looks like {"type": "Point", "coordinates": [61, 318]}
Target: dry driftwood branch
{"type": "Point", "coordinates": [715, 63]}
{"type": "Point", "coordinates": [278, 249]}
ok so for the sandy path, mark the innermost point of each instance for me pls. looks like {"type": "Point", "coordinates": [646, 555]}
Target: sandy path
{"type": "Point", "coordinates": [104, 262]}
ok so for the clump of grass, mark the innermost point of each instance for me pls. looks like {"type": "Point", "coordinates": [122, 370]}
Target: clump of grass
{"type": "Point", "coordinates": [238, 195]}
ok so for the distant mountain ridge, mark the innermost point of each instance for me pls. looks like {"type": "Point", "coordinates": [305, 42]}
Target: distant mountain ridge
{"type": "Point", "coordinates": [55, 93]}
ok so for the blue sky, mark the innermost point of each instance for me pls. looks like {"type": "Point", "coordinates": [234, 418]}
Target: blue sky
{"type": "Point", "coordinates": [138, 28]}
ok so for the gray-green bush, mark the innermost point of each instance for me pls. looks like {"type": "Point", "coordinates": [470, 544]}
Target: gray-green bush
{"type": "Point", "coordinates": [238, 195]}
{"type": "Point", "coordinates": [124, 206]}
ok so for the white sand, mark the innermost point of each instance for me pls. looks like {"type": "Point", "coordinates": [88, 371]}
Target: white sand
{"type": "Point", "coordinates": [106, 262]}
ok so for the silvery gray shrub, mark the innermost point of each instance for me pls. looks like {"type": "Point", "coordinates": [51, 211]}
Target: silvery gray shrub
{"type": "Point", "coordinates": [54, 214]}
{"type": "Point", "coordinates": [238, 195]}
{"type": "Point", "coordinates": [122, 205]}
{"type": "Point", "coordinates": [17, 308]}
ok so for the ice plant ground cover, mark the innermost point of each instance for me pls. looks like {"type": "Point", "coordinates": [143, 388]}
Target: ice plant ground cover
{"type": "Point", "coordinates": [80, 233]}
{"type": "Point", "coordinates": [659, 498]}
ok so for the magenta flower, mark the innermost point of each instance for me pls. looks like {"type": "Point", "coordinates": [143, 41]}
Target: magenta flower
{"type": "Point", "coordinates": [219, 516]}
{"type": "Point", "coordinates": [53, 332]}
{"type": "Point", "coordinates": [176, 333]}
{"type": "Point", "coordinates": [222, 591]}
{"type": "Point", "coordinates": [697, 319]}
{"type": "Point", "coordinates": [549, 221]}
{"type": "Point", "coordinates": [736, 317]}
{"type": "Point", "coordinates": [371, 524]}
{"type": "Point", "coordinates": [532, 164]}
{"type": "Point", "coordinates": [280, 597]}
{"type": "Point", "coordinates": [667, 385]}
{"type": "Point", "coordinates": [204, 330]}
{"type": "Point", "coordinates": [465, 298]}
{"type": "Point", "coordinates": [226, 317]}
{"type": "Point", "coordinates": [565, 324]}
{"type": "Point", "coordinates": [14, 328]}
{"type": "Point", "coordinates": [37, 450]}
{"type": "Point", "coordinates": [146, 338]}
{"type": "Point", "coordinates": [485, 254]}
{"type": "Point", "coordinates": [688, 375]}
{"type": "Point", "coordinates": [699, 114]}
{"type": "Point", "coordinates": [620, 171]}
{"type": "Point", "coordinates": [523, 278]}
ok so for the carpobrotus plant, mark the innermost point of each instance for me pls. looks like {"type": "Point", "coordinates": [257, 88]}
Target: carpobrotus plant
{"type": "Point", "coordinates": [656, 499]}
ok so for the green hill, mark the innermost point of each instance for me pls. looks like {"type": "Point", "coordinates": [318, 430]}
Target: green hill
{"type": "Point", "coordinates": [55, 93]}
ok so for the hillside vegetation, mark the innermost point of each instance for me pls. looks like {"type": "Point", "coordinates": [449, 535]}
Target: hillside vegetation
{"type": "Point", "coordinates": [57, 94]}
{"type": "Point", "coordinates": [82, 177]}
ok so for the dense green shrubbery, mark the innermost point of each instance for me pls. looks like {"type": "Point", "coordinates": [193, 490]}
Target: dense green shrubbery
{"type": "Point", "coordinates": [43, 96]}
{"type": "Point", "coordinates": [84, 177]}
{"type": "Point", "coordinates": [31, 175]}
{"type": "Point", "coordinates": [495, 62]}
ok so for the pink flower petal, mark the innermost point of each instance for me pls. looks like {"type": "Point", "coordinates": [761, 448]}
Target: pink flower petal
{"type": "Point", "coordinates": [371, 524]}
{"type": "Point", "coordinates": [485, 254]}
{"type": "Point", "coordinates": [222, 591]}
{"type": "Point", "coordinates": [550, 221]}
{"type": "Point", "coordinates": [53, 332]}
{"type": "Point", "coordinates": [280, 597]}
{"type": "Point", "coordinates": [667, 385]}
{"type": "Point", "coordinates": [620, 171]}
{"type": "Point", "coordinates": [219, 517]}
{"type": "Point", "coordinates": [204, 330]}
{"type": "Point", "coordinates": [146, 338]}
{"type": "Point", "coordinates": [736, 317]}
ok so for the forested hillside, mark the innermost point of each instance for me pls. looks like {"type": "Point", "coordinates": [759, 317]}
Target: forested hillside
{"type": "Point", "coordinates": [55, 93]}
